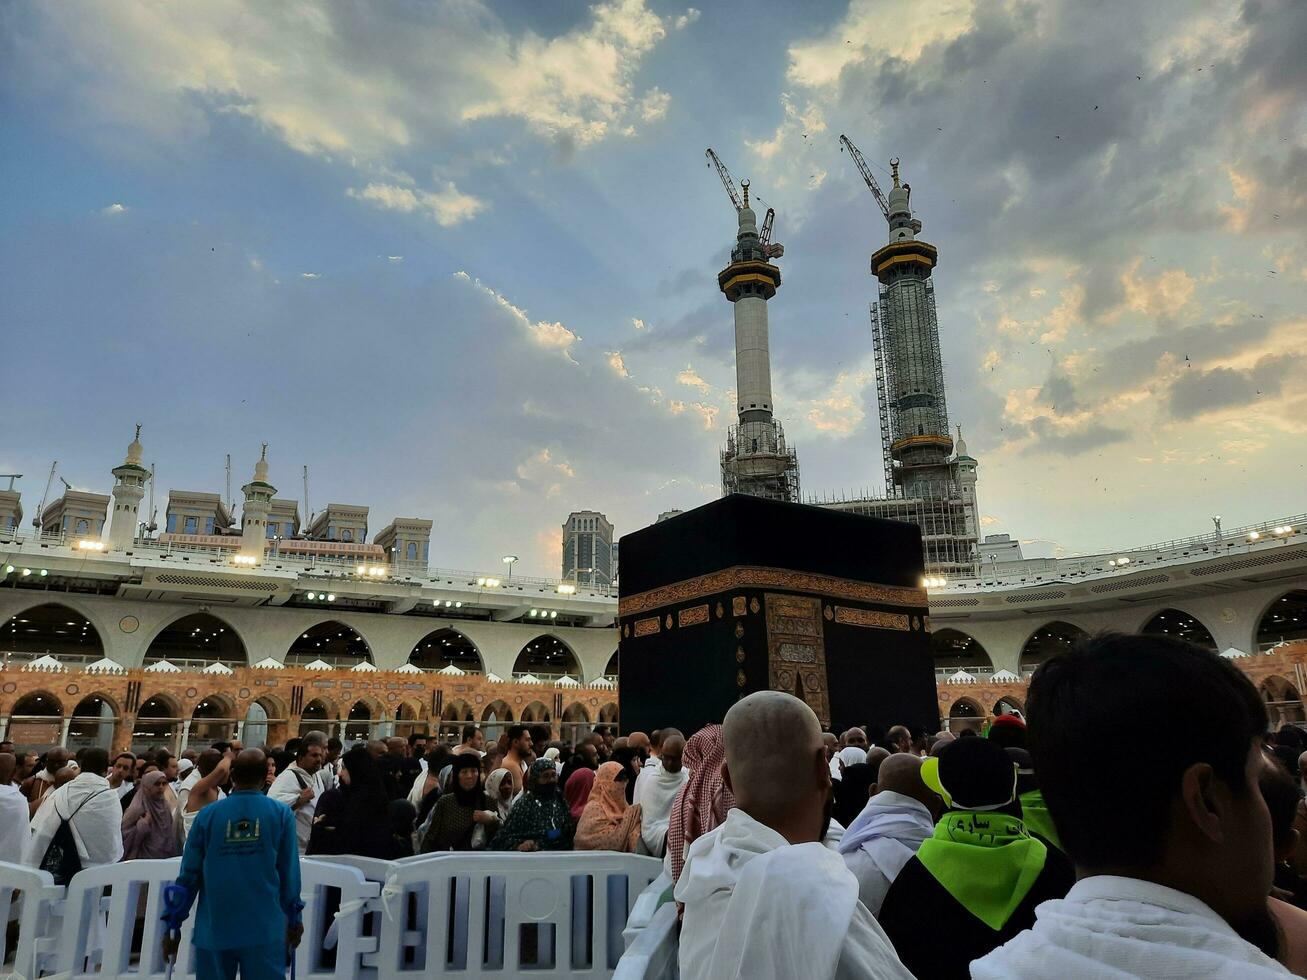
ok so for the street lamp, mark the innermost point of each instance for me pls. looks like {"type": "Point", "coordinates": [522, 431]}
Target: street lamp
{"type": "Point", "coordinates": [508, 560]}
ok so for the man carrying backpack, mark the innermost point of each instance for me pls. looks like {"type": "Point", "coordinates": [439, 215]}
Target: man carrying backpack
{"type": "Point", "coordinates": [79, 824]}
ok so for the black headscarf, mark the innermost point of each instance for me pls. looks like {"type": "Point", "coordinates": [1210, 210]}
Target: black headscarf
{"type": "Point", "coordinates": [853, 791]}
{"type": "Point", "coordinates": [366, 803]}
{"type": "Point", "coordinates": [467, 797]}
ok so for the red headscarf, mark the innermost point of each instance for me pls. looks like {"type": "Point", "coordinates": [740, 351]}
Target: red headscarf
{"type": "Point", "coordinates": [577, 790]}
{"type": "Point", "coordinates": [700, 804]}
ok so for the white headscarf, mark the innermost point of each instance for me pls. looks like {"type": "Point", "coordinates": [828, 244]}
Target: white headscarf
{"type": "Point", "coordinates": [493, 785]}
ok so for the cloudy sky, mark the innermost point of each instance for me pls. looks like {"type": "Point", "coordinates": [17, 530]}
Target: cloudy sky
{"type": "Point", "coordinates": [459, 257]}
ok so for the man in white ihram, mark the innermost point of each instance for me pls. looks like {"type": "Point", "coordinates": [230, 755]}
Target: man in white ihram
{"type": "Point", "coordinates": [763, 897]}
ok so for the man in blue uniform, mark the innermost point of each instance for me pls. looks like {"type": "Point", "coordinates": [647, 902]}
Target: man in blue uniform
{"type": "Point", "coordinates": [242, 860]}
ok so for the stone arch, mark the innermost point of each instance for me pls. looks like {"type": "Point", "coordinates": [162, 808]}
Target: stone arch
{"type": "Point", "coordinates": [213, 719]}
{"type": "Point", "coordinates": [495, 718]}
{"type": "Point", "coordinates": [158, 724]}
{"type": "Point", "coordinates": [331, 640]}
{"type": "Point", "coordinates": [575, 722]}
{"type": "Point", "coordinates": [1180, 624]}
{"type": "Point", "coordinates": [36, 722]}
{"type": "Point", "coordinates": [1007, 704]}
{"type": "Point", "coordinates": [954, 650]}
{"type": "Point", "coordinates": [966, 713]}
{"type": "Point", "coordinates": [265, 721]}
{"type": "Point", "coordinates": [613, 667]}
{"type": "Point", "coordinates": [1283, 620]}
{"type": "Point", "coordinates": [535, 713]}
{"type": "Point", "coordinates": [1049, 639]}
{"type": "Point", "coordinates": [53, 628]}
{"type": "Point", "coordinates": [318, 714]}
{"type": "Point", "coordinates": [445, 646]}
{"type": "Point", "coordinates": [608, 714]}
{"type": "Point", "coordinates": [409, 719]}
{"type": "Point", "coordinates": [362, 719]}
{"type": "Point", "coordinates": [453, 716]}
{"type": "Point", "coordinates": [547, 656]}
{"type": "Point", "coordinates": [93, 722]}
{"type": "Point", "coordinates": [1283, 701]}
{"type": "Point", "coordinates": [197, 638]}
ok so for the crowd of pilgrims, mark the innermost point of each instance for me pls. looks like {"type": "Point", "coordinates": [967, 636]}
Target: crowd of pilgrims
{"type": "Point", "coordinates": [1139, 820]}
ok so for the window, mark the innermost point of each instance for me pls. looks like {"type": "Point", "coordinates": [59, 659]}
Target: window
{"type": "Point", "coordinates": [412, 553]}
{"type": "Point", "coordinates": [192, 525]}
{"type": "Point", "coordinates": [272, 529]}
{"type": "Point", "coordinates": [347, 535]}
{"type": "Point", "coordinates": [208, 525]}
{"type": "Point", "coordinates": [172, 523]}
{"type": "Point", "coordinates": [83, 525]}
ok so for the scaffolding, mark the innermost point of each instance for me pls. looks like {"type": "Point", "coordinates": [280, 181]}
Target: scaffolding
{"type": "Point", "coordinates": [910, 393]}
{"type": "Point", "coordinates": [757, 462]}
{"type": "Point", "coordinates": [949, 546]}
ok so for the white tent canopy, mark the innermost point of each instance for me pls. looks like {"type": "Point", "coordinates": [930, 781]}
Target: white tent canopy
{"type": "Point", "coordinates": [451, 670]}
{"type": "Point", "coordinates": [961, 677]}
{"type": "Point", "coordinates": [268, 663]}
{"type": "Point", "coordinates": [407, 668]}
{"type": "Point", "coordinates": [318, 665]}
{"type": "Point", "coordinates": [45, 664]}
{"type": "Point", "coordinates": [163, 667]}
{"type": "Point", "coordinates": [365, 667]}
{"type": "Point", "coordinates": [217, 668]}
{"type": "Point", "coordinates": [106, 666]}
{"type": "Point", "coordinates": [1004, 677]}
{"type": "Point", "coordinates": [567, 680]}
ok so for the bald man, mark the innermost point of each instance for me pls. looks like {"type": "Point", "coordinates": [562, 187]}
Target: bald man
{"type": "Point", "coordinates": [898, 817]}
{"type": "Point", "coordinates": [656, 789]}
{"type": "Point", "coordinates": [763, 898]}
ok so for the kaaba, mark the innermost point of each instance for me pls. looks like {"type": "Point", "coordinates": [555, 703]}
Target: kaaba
{"type": "Point", "coordinates": [747, 594]}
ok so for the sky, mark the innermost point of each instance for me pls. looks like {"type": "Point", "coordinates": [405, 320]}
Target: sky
{"type": "Point", "coordinates": [459, 257]}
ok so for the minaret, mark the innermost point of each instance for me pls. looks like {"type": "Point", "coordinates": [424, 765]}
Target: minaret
{"type": "Point", "coordinates": [755, 460]}
{"type": "Point", "coordinates": [254, 518]}
{"type": "Point", "coordinates": [909, 371]}
{"type": "Point", "coordinates": [128, 490]}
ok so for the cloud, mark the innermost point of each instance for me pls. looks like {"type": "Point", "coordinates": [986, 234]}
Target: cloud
{"type": "Point", "coordinates": [114, 208]}
{"type": "Point", "coordinates": [310, 275]}
{"type": "Point", "coordinates": [1196, 393]}
{"type": "Point", "coordinates": [1074, 438]}
{"type": "Point", "coordinates": [577, 86]}
{"type": "Point", "coordinates": [617, 364]}
{"type": "Point", "coordinates": [394, 259]}
{"type": "Point", "coordinates": [448, 206]}
{"type": "Point", "coordinates": [691, 379]}
{"type": "Point", "coordinates": [654, 105]}
{"type": "Point", "coordinates": [876, 30]}
{"type": "Point", "coordinates": [683, 21]}
{"type": "Point", "coordinates": [353, 83]}
{"type": "Point", "coordinates": [637, 323]}
{"type": "Point", "coordinates": [553, 336]}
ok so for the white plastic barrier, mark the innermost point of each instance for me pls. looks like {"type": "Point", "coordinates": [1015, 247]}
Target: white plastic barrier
{"type": "Point", "coordinates": [32, 899]}
{"type": "Point", "coordinates": [99, 928]}
{"type": "Point", "coordinates": [492, 915]}
{"type": "Point", "coordinates": [336, 899]}
{"type": "Point", "coordinates": [652, 955]}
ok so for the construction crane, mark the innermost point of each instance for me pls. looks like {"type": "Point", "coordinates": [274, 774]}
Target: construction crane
{"type": "Point", "coordinates": [770, 249]}
{"type": "Point", "coordinates": [865, 170]}
{"type": "Point", "coordinates": [36, 521]}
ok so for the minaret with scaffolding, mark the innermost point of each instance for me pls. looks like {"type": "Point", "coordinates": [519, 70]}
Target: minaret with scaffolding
{"type": "Point", "coordinates": [756, 459]}
{"type": "Point", "coordinates": [926, 482]}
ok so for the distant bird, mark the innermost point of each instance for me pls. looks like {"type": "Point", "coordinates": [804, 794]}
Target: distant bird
{"type": "Point", "coordinates": [1095, 108]}
{"type": "Point", "coordinates": [1139, 78]}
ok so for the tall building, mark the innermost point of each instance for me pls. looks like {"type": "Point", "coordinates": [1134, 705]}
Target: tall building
{"type": "Point", "coordinates": [588, 548]}
{"type": "Point", "coordinates": [929, 480]}
{"type": "Point", "coordinates": [756, 460]}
